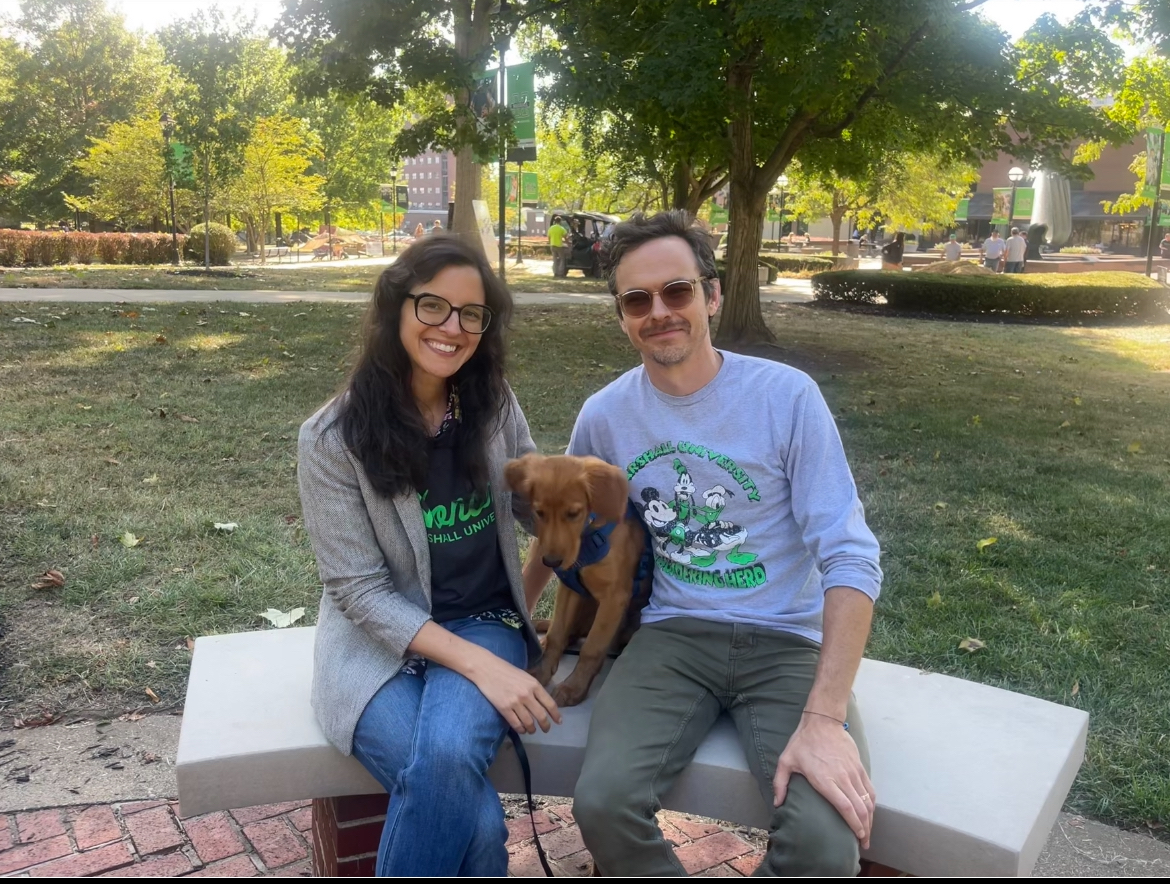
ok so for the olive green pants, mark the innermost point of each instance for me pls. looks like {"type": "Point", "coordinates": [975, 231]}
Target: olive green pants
{"type": "Point", "coordinates": [658, 703]}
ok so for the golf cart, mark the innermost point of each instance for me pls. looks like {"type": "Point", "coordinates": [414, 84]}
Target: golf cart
{"type": "Point", "coordinates": [583, 240]}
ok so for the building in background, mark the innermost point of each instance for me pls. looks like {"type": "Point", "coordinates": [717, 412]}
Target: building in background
{"type": "Point", "coordinates": [430, 182]}
{"type": "Point", "coordinates": [1091, 224]}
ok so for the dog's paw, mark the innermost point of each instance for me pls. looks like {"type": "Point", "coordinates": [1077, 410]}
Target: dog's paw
{"type": "Point", "coordinates": [542, 674]}
{"type": "Point", "coordinates": [569, 694]}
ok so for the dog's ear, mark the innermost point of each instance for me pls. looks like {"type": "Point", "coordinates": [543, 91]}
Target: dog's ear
{"type": "Point", "coordinates": [608, 489]}
{"type": "Point", "coordinates": [518, 474]}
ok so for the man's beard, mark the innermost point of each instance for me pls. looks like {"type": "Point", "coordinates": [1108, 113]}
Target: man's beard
{"type": "Point", "coordinates": [672, 354]}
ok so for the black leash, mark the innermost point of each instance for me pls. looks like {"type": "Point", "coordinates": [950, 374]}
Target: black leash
{"type": "Point", "coordinates": [522, 755]}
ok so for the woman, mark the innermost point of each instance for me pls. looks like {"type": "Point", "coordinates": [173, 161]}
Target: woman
{"type": "Point", "coordinates": [423, 635]}
{"type": "Point", "coordinates": [418, 230]}
{"type": "Point", "coordinates": [892, 252]}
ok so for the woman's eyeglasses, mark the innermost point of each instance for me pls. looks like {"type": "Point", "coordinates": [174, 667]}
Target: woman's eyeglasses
{"type": "Point", "coordinates": [434, 310]}
{"type": "Point", "coordinates": [676, 295]}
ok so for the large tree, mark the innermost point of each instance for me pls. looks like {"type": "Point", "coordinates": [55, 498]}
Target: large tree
{"type": "Point", "coordinates": [383, 48]}
{"type": "Point", "coordinates": [73, 70]}
{"type": "Point", "coordinates": [762, 84]}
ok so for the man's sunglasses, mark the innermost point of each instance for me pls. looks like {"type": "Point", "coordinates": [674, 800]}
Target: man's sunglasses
{"type": "Point", "coordinates": [435, 310]}
{"type": "Point", "coordinates": [676, 295]}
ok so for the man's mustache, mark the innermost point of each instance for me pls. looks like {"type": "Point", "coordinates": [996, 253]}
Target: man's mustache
{"type": "Point", "coordinates": [679, 324]}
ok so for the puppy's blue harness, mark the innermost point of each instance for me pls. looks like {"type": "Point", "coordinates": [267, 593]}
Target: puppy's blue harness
{"type": "Point", "coordinates": [595, 547]}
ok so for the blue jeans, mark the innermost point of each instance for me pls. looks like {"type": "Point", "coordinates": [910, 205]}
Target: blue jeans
{"type": "Point", "coordinates": [429, 740]}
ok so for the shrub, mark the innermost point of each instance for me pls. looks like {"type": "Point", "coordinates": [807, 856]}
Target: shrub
{"type": "Point", "coordinates": [81, 246]}
{"type": "Point", "coordinates": [112, 248]}
{"type": "Point", "coordinates": [800, 263]}
{"type": "Point", "coordinates": [223, 244]}
{"type": "Point", "coordinates": [1080, 250]}
{"type": "Point", "coordinates": [1111, 293]}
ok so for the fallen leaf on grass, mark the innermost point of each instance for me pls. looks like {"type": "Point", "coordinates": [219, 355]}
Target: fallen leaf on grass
{"type": "Point", "coordinates": [986, 542]}
{"type": "Point", "coordinates": [971, 645]}
{"type": "Point", "coordinates": [935, 600]}
{"type": "Point", "coordinates": [151, 480]}
{"type": "Point", "coordinates": [939, 505]}
{"type": "Point", "coordinates": [94, 541]}
{"type": "Point", "coordinates": [190, 643]}
{"type": "Point", "coordinates": [226, 527]}
{"type": "Point", "coordinates": [25, 319]}
{"type": "Point", "coordinates": [150, 664]}
{"type": "Point", "coordinates": [131, 716]}
{"type": "Point", "coordinates": [1134, 448]}
{"type": "Point", "coordinates": [85, 407]}
{"type": "Point", "coordinates": [114, 461]}
{"type": "Point", "coordinates": [128, 540]}
{"type": "Point", "coordinates": [153, 696]}
{"type": "Point", "coordinates": [160, 339]}
{"type": "Point", "coordinates": [46, 504]}
{"type": "Point", "coordinates": [280, 619]}
{"type": "Point", "coordinates": [49, 580]}
{"type": "Point", "coordinates": [1066, 425]}
{"type": "Point", "coordinates": [187, 419]}
{"type": "Point", "coordinates": [289, 355]}
{"type": "Point", "coordinates": [1076, 688]}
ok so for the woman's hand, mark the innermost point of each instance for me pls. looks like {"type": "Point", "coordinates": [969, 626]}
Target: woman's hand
{"type": "Point", "coordinates": [515, 694]}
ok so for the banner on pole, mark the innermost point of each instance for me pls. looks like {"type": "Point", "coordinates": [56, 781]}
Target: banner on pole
{"type": "Point", "coordinates": [1153, 163]}
{"type": "Point", "coordinates": [511, 190]}
{"type": "Point", "coordinates": [1001, 205]}
{"type": "Point", "coordinates": [387, 192]}
{"type": "Point", "coordinates": [521, 81]}
{"type": "Point", "coordinates": [1025, 199]}
{"type": "Point", "coordinates": [529, 188]}
{"type": "Point", "coordinates": [962, 209]}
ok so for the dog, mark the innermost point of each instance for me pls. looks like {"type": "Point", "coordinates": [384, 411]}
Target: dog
{"type": "Point", "coordinates": [590, 534]}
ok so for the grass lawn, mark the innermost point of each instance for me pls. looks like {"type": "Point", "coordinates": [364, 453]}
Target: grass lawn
{"type": "Point", "coordinates": [161, 422]}
{"type": "Point", "coordinates": [305, 276]}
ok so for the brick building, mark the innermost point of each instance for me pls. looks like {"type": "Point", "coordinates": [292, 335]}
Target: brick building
{"type": "Point", "coordinates": [430, 182]}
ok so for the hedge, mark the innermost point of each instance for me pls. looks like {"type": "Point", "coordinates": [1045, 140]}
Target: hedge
{"type": "Point", "coordinates": [785, 263]}
{"type": "Point", "coordinates": [1113, 293]}
{"type": "Point", "coordinates": [46, 248]}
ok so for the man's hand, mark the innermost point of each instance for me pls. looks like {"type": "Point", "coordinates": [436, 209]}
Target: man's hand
{"type": "Point", "coordinates": [823, 752]}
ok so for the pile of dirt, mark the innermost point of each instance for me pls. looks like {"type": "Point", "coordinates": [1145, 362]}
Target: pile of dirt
{"type": "Point", "coordinates": [957, 268]}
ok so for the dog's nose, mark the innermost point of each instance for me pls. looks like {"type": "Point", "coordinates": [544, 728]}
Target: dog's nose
{"type": "Point", "coordinates": [550, 562]}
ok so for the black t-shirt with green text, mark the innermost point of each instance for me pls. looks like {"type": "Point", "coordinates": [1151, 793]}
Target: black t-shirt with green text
{"type": "Point", "coordinates": [467, 570]}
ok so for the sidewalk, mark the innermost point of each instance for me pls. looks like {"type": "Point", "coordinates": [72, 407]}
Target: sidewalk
{"type": "Point", "coordinates": [782, 291]}
{"type": "Point", "coordinates": [148, 839]}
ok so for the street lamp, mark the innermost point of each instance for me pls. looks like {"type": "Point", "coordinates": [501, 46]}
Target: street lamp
{"type": "Point", "coordinates": [1015, 176]}
{"type": "Point", "coordinates": [394, 211]}
{"type": "Point", "coordinates": [168, 128]}
{"type": "Point", "coordinates": [782, 182]}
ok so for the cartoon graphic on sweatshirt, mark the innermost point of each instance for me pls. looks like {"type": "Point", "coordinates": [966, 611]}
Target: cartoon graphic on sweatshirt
{"type": "Point", "coordinates": [691, 536]}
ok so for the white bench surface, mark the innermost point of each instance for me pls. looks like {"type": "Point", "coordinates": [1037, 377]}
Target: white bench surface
{"type": "Point", "coordinates": [969, 778]}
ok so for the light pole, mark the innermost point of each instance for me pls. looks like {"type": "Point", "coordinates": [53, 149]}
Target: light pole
{"type": "Point", "coordinates": [782, 182]}
{"type": "Point", "coordinates": [168, 127]}
{"type": "Point", "coordinates": [1015, 176]}
{"type": "Point", "coordinates": [393, 212]}
{"type": "Point", "coordinates": [500, 104]}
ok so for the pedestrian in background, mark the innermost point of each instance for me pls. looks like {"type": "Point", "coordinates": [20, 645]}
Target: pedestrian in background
{"type": "Point", "coordinates": [952, 251]}
{"type": "Point", "coordinates": [1015, 249]}
{"type": "Point", "coordinates": [992, 250]}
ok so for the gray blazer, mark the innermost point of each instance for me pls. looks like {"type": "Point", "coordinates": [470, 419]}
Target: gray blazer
{"type": "Point", "coordinates": [373, 557]}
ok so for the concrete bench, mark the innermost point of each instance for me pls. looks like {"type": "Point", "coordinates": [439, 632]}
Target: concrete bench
{"type": "Point", "coordinates": [969, 778]}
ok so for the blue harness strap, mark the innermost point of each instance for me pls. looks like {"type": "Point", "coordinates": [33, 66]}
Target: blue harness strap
{"type": "Point", "coordinates": [595, 547]}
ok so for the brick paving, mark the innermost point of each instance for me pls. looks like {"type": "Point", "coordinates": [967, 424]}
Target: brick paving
{"type": "Point", "coordinates": [149, 839]}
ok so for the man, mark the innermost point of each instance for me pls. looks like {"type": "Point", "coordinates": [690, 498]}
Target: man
{"type": "Point", "coordinates": [1015, 249]}
{"type": "Point", "coordinates": [556, 240]}
{"type": "Point", "coordinates": [1164, 247]}
{"type": "Point", "coordinates": [764, 580]}
{"type": "Point", "coordinates": [952, 251]}
{"type": "Point", "coordinates": [992, 250]}
{"type": "Point", "coordinates": [437, 227]}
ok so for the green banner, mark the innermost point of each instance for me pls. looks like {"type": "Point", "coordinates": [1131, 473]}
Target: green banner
{"type": "Point", "coordinates": [1153, 162]}
{"type": "Point", "coordinates": [718, 213]}
{"type": "Point", "coordinates": [522, 104]}
{"type": "Point", "coordinates": [772, 211]}
{"type": "Point", "coordinates": [1001, 204]}
{"type": "Point", "coordinates": [962, 209]}
{"type": "Point", "coordinates": [529, 187]}
{"type": "Point", "coordinates": [386, 194]}
{"type": "Point", "coordinates": [182, 165]}
{"type": "Point", "coordinates": [511, 190]}
{"type": "Point", "coordinates": [1025, 197]}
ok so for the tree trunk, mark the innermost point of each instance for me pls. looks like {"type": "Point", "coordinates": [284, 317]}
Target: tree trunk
{"type": "Point", "coordinates": [680, 189]}
{"type": "Point", "coordinates": [836, 217]}
{"type": "Point", "coordinates": [206, 212]}
{"type": "Point", "coordinates": [743, 320]}
{"type": "Point", "coordinates": [472, 32]}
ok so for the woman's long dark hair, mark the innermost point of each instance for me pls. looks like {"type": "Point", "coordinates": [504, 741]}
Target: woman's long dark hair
{"type": "Point", "coordinates": [379, 418]}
